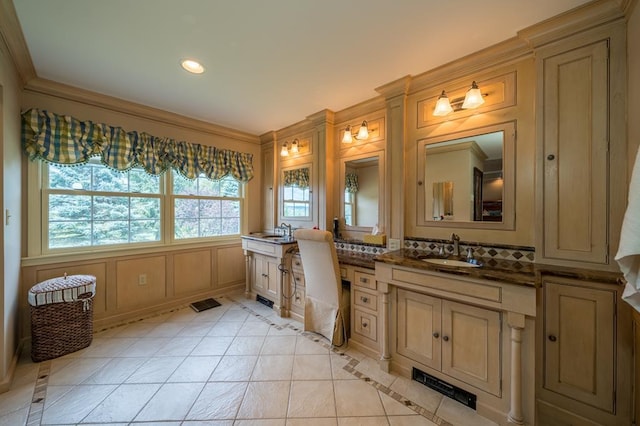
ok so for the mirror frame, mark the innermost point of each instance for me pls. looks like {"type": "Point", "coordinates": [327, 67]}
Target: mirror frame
{"type": "Point", "coordinates": [508, 173]}
{"type": "Point", "coordinates": [381, 190]}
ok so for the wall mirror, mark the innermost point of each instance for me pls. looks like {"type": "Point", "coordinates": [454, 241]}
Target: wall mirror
{"type": "Point", "coordinates": [296, 193]}
{"type": "Point", "coordinates": [467, 179]}
{"type": "Point", "coordinates": [362, 191]}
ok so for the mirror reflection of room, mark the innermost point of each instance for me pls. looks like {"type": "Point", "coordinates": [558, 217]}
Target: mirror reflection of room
{"type": "Point", "coordinates": [296, 201]}
{"type": "Point", "coordinates": [361, 192]}
{"type": "Point", "coordinates": [464, 179]}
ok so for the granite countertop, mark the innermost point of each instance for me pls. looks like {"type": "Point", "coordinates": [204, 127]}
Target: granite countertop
{"type": "Point", "coordinates": [354, 258]}
{"type": "Point", "coordinates": [269, 238]}
{"type": "Point", "coordinates": [508, 271]}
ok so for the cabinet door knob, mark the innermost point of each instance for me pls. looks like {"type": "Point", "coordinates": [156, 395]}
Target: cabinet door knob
{"type": "Point", "coordinates": [551, 157]}
{"type": "Point", "coordinates": [436, 335]}
{"type": "Point", "coordinates": [552, 338]}
{"type": "Point", "coordinates": [364, 299]}
{"type": "Point", "coordinates": [364, 325]}
{"type": "Point", "coordinates": [445, 338]}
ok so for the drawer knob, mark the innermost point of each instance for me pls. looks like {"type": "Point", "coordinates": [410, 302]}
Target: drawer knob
{"type": "Point", "coordinates": [436, 335]}
{"type": "Point", "coordinates": [364, 280]}
{"type": "Point", "coordinates": [445, 338]}
{"type": "Point", "coordinates": [364, 325]}
{"type": "Point", "coordinates": [364, 299]}
{"type": "Point", "coordinates": [551, 157]}
{"type": "Point", "coordinates": [552, 338]}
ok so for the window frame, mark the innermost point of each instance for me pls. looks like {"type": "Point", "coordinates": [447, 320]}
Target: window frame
{"type": "Point", "coordinates": [38, 219]}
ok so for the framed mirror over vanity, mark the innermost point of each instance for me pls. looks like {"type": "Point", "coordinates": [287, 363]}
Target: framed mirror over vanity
{"type": "Point", "coordinates": [467, 179]}
{"type": "Point", "coordinates": [362, 193]}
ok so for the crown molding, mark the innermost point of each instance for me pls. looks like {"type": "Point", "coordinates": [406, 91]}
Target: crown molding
{"type": "Point", "coordinates": [574, 21]}
{"type": "Point", "coordinates": [509, 51]}
{"type": "Point", "coordinates": [360, 110]}
{"type": "Point", "coordinates": [14, 42]}
{"type": "Point", "coordinates": [395, 88]}
{"type": "Point", "coordinates": [628, 6]}
{"type": "Point", "coordinates": [75, 94]}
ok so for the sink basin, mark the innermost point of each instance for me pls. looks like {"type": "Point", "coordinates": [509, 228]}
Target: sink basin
{"type": "Point", "coordinates": [452, 262]}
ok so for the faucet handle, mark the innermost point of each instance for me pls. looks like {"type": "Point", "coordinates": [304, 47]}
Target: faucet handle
{"type": "Point", "coordinates": [469, 253]}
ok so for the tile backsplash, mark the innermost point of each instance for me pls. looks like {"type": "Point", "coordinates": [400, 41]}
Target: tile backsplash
{"type": "Point", "coordinates": [482, 250]}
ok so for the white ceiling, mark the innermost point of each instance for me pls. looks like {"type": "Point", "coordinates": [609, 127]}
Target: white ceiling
{"type": "Point", "coordinates": [268, 64]}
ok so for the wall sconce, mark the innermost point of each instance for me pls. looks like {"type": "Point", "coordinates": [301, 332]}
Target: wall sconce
{"type": "Point", "coordinates": [473, 99]}
{"type": "Point", "coordinates": [284, 152]}
{"type": "Point", "coordinates": [363, 133]}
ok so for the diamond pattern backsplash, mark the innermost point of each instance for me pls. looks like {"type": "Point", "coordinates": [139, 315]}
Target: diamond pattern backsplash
{"type": "Point", "coordinates": [486, 251]}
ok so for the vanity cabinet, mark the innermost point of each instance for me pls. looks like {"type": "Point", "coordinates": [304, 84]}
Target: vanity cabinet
{"type": "Point", "coordinates": [296, 294]}
{"type": "Point", "coordinates": [581, 150]}
{"type": "Point", "coordinates": [264, 261]}
{"type": "Point", "coordinates": [584, 354]}
{"type": "Point", "coordinates": [364, 303]}
{"type": "Point", "coordinates": [264, 276]}
{"type": "Point", "coordinates": [460, 340]}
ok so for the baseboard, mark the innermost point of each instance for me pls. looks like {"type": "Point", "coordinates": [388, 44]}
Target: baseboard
{"type": "Point", "coordinates": [5, 384]}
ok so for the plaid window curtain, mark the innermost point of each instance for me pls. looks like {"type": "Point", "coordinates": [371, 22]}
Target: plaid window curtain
{"type": "Point", "coordinates": [63, 139]}
{"type": "Point", "coordinates": [351, 182]}
{"type": "Point", "coordinates": [297, 177]}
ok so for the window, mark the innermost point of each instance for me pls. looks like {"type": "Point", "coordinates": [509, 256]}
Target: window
{"type": "Point", "coordinates": [205, 208]}
{"type": "Point", "coordinates": [92, 205]}
{"type": "Point", "coordinates": [349, 207]}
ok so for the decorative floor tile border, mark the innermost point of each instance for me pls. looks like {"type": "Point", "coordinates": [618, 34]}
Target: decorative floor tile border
{"type": "Point", "coordinates": [36, 409]}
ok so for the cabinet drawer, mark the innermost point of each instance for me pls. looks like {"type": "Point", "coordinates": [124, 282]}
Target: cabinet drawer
{"type": "Point", "coordinates": [297, 301]}
{"type": "Point", "coordinates": [365, 299]}
{"type": "Point", "coordinates": [343, 272]}
{"type": "Point", "coordinates": [298, 279]}
{"type": "Point", "coordinates": [296, 263]}
{"type": "Point", "coordinates": [365, 280]}
{"type": "Point", "coordinates": [365, 325]}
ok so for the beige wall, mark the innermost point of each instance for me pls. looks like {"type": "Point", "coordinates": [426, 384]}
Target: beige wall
{"type": "Point", "coordinates": [11, 201]}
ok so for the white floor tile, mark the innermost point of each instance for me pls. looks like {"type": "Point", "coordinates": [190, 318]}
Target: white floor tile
{"type": "Point", "coordinates": [312, 367]}
{"type": "Point", "coordinates": [260, 422]}
{"type": "Point", "coordinates": [265, 400]}
{"type": "Point", "coordinates": [74, 405]}
{"type": "Point", "coordinates": [326, 421]}
{"type": "Point", "coordinates": [337, 368]}
{"type": "Point", "coordinates": [179, 346]}
{"type": "Point", "coordinates": [195, 369]}
{"type": "Point", "coordinates": [171, 402]}
{"type": "Point", "coordinates": [393, 407]}
{"type": "Point", "coordinates": [362, 421]}
{"type": "Point", "coordinates": [122, 405]}
{"type": "Point", "coordinates": [146, 347]}
{"type": "Point", "coordinates": [115, 371]}
{"type": "Point", "coordinates": [371, 368]}
{"type": "Point", "coordinates": [273, 367]}
{"type": "Point", "coordinates": [357, 398]}
{"type": "Point", "coordinates": [279, 345]}
{"type": "Point", "coordinates": [458, 414]}
{"type": "Point", "coordinates": [417, 393]}
{"type": "Point", "coordinates": [212, 346]}
{"type": "Point", "coordinates": [305, 346]}
{"type": "Point", "coordinates": [155, 370]}
{"type": "Point", "coordinates": [17, 417]}
{"type": "Point", "coordinates": [415, 420]}
{"type": "Point", "coordinates": [225, 328]}
{"type": "Point", "coordinates": [77, 371]}
{"type": "Point", "coordinates": [218, 401]}
{"type": "Point", "coordinates": [311, 398]}
{"type": "Point", "coordinates": [246, 345]}
{"type": "Point", "coordinates": [234, 368]}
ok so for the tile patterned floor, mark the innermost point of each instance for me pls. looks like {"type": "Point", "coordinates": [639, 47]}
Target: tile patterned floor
{"type": "Point", "coordinates": [236, 364]}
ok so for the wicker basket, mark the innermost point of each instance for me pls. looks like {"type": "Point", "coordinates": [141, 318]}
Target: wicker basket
{"type": "Point", "coordinates": [61, 316]}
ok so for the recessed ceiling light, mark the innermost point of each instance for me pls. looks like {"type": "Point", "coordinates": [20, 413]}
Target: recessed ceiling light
{"type": "Point", "coordinates": [192, 66]}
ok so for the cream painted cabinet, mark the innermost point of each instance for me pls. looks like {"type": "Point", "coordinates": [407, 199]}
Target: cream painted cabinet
{"type": "Point", "coordinates": [460, 340]}
{"type": "Point", "coordinates": [268, 192]}
{"type": "Point", "coordinates": [265, 276]}
{"type": "Point", "coordinates": [581, 176]}
{"type": "Point", "coordinates": [585, 365]}
{"type": "Point", "coordinates": [364, 319]}
{"type": "Point", "coordinates": [297, 289]}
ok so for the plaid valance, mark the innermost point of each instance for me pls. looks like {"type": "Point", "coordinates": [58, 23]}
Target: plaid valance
{"type": "Point", "coordinates": [62, 139]}
{"type": "Point", "coordinates": [351, 182]}
{"type": "Point", "coordinates": [296, 177]}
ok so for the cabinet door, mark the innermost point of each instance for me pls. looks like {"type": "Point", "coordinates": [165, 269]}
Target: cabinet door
{"type": "Point", "coordinates": [258, 273]}
{"type": "Point", "coordinates": [271, 278]}
{"type": "Point", "coordinates": [418, 325]}
{"type": "Point", "coordinates": [471, 345]}
{"type": "Point", "coordinates": [579, 343]}
{"type": "Point", "coordinates": [575, 154]}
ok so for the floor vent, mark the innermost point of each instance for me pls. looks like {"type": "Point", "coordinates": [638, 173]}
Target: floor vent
{"type": "Point", "coordinates": [264, 301]}
{"type": "Point", "coordinates": [205, 304]}
{"type": "Point", "coordinates": [453, 392]}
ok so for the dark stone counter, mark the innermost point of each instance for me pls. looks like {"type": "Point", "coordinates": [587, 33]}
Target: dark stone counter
{"type": "Point", "coordinates": [508, 271]}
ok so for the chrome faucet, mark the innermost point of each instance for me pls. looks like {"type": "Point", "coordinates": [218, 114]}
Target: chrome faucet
{"type": "Point", "coordinates": [455, 239]}
{"type": "Point", "coordinates": [288, 227]}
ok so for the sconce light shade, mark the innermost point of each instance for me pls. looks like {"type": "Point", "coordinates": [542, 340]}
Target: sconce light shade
{"type": "Point", "coordinates": [284, 152]}
{"type": "Point", "coordinates": [443, 106]}
{"type": "Point", "coordinates": [294, 146]}
{"type": "Point", "coordinates": [363, 133]}
{"type": "Point", "coordinates": [346, 138]}
{"type": "Point", "coordinates": [473, 98]}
